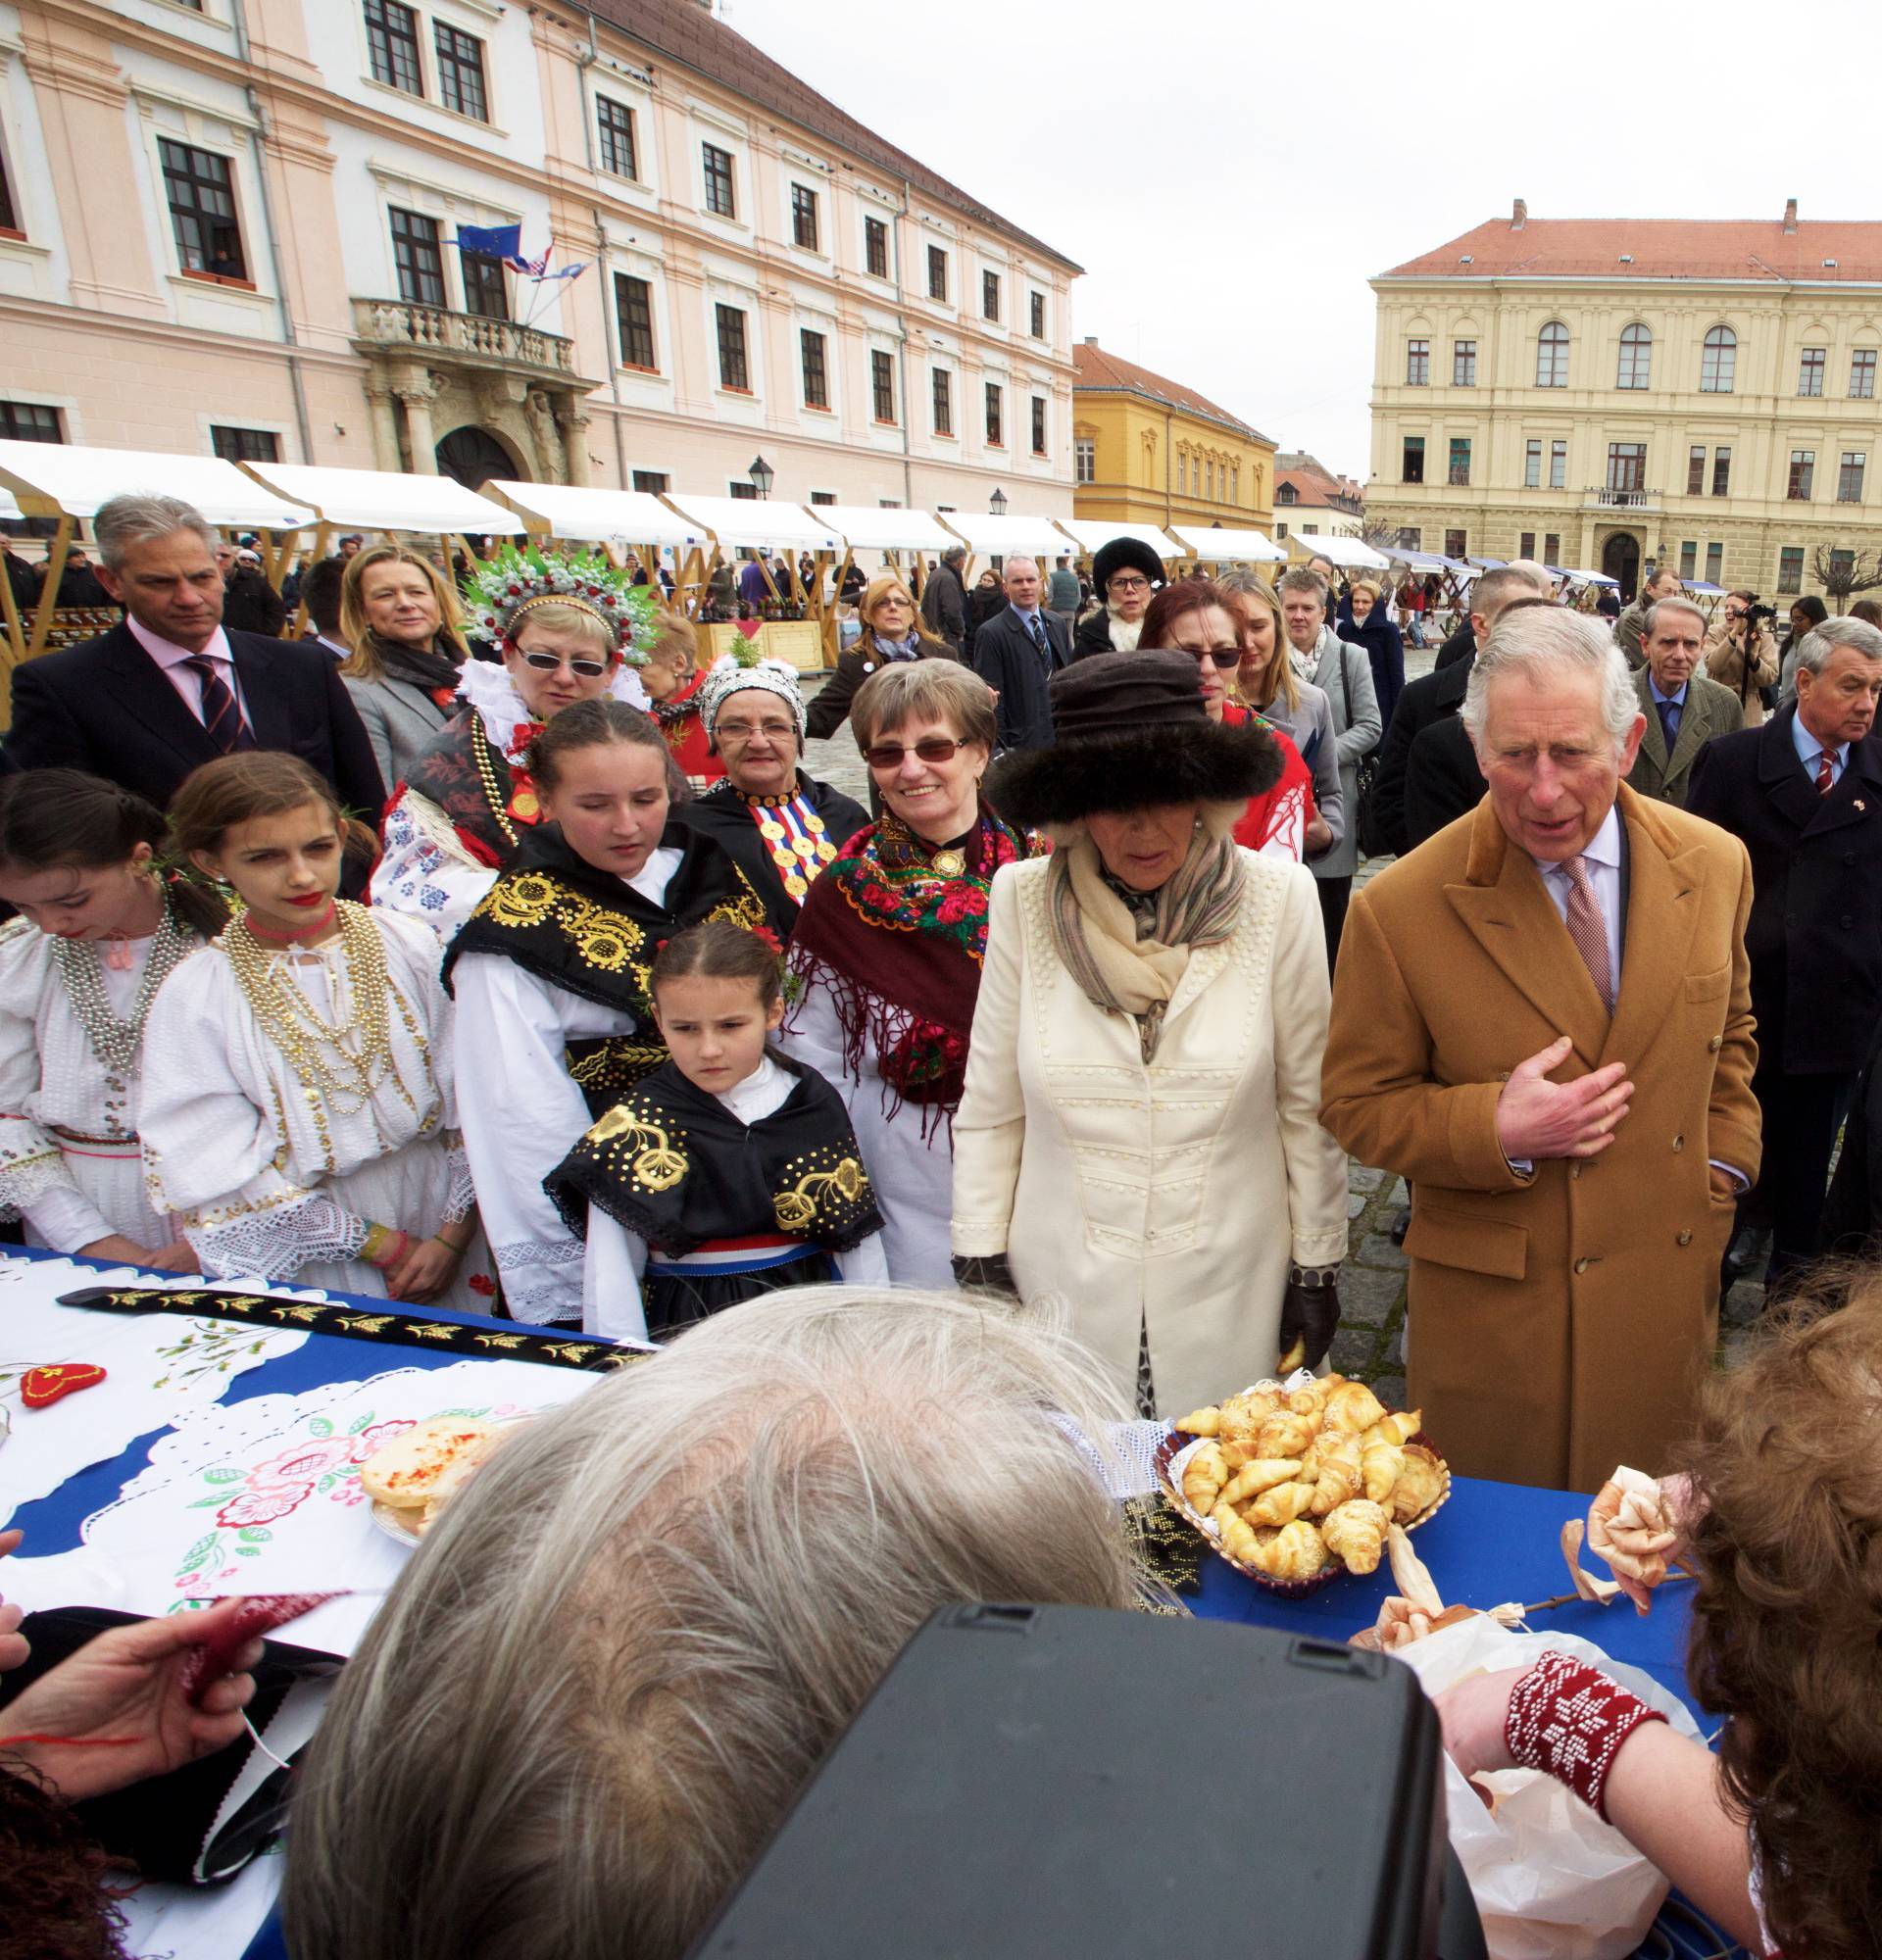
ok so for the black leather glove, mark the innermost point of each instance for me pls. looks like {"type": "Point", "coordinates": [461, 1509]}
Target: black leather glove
{"type": "Point", "coordinates": [1309, 1319]}
{"type": "Point", "coordinates": [989, 1275]}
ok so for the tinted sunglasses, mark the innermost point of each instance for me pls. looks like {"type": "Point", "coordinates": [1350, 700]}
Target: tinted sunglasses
{"type": "Point", "coordinates": [1224, 656]}
{"type": "Point", "coordinates": [549, 662]}
{"type": "Point", "coordinates": [930, 749]}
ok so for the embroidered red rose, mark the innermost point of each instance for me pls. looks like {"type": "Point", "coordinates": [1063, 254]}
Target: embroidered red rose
{"type": "Point", "coordinates": [962, 901]}
{"type": "Point", "coordinates": [482, 1284]}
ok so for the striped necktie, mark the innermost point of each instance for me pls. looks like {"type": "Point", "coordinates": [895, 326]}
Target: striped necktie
{"type": "Point", "coordinates": [1825, 772]}
{"type": "Point", "coordinates": [222, 713]}
{"type": "Point", "coordinates": [1589, 930]}
{"type": "Point", "coordinates": [1036, 626]}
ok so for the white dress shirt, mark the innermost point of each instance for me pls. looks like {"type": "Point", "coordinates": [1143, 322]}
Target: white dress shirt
{"type": "Point", "coordinates": [1602, 859]}
{"type": "Point", "coordinates": [174, 662]}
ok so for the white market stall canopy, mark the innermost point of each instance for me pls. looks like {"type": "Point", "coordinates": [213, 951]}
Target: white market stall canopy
{"type": "Point", "coordinates": [1577, 577]}
{"type": "Point", "coordinates": [752, 521]}
{"type": "Point", "coordinates": [1007, 537]}
{"type": "Point", "coordinates": [1214, 545]}
{"type": "Point", "coordinates": [51, 479]}
{"type": "Point", "coordinates": [382, 500]}
{"type": "Point", "coordinates": [1348, 553]}
{"type": "Point", "coordinates": [598, 517]}
{"type": "Point", "coordinates": [1092, 534]}
{"type": "Point", "coordinates": [865, 528]}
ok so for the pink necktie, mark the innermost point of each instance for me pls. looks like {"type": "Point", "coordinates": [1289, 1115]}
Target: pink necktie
{"type": "Point", "coordinates": [1589, 930]}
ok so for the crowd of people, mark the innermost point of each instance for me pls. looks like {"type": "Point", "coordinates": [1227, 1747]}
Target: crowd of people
{"type": "Point", "coordinates": [513, 961]}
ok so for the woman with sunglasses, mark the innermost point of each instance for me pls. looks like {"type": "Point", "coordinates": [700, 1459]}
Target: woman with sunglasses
{"type": "Point", "coordinates": [892, 630]}
{"type": "Point", "coordinates": [564, 631]}
{"type": "Point", "coordinates": [886, 957]}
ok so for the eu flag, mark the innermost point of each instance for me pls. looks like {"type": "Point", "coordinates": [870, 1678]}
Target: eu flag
{"type": "Point", "coordinates": [492, 241]}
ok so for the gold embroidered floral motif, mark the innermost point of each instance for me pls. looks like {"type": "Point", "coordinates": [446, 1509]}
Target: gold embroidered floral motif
{"type": "Point", "coordinates": [796, 1209]}
{"type": "Point", "coordinates": [658, 1166]}
{"type": "Point", "coordinates": [523, 899]}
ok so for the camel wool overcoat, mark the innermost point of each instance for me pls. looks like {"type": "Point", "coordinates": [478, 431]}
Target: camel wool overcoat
{"type": "Point", "coordinates": [1559, 1317]}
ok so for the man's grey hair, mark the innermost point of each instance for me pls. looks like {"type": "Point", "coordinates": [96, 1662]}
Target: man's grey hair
{"type": "Point", "coordinates": [1818, 645]}
{"type": "Point", "coordinates": [954, 555]}
{"type": "Point", "coordinates": [1302, 578]}
{"type": "Point", "coordinates": [614, 1661]}
{"type": "Point", "coordinates": [1544, 643]}
{"type": "Point", "coordinates": [1651, 618]}
{"type": "Point", "coordinates": [122, 523]}
{"type": "Point", "coordinates": [1017, 557]}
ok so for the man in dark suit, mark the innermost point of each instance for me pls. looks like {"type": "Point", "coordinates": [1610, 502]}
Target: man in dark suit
{"type": "Point", "coordinates": [1804, 793]}
{"type": "Point", "coordinates": [168, 689]}
{"type": "Point", "coordinates": [1684, 710]}
{"type": "Point", "coordinates": [944, 599]}
{"type": "Point", "coordinates": [1016, 653]}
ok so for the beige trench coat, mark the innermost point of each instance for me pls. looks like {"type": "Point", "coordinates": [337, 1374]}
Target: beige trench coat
{"type": "Point", "coordinates": [1557, 1319]}
{"type": "Point", "coordinates": [1170, 1196]}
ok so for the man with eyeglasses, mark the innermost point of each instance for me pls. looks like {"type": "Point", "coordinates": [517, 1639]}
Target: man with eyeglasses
{"type": "Point", "coordinates": [1016, 653]}
{"type": "Point", "coordinates": [1126, 573]}
{"type": "Point", "coordinates": [780, 825]}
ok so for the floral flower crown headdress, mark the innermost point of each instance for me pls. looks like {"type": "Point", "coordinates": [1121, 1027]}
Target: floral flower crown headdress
{"type": "Point", "coordinates": [502, 591]}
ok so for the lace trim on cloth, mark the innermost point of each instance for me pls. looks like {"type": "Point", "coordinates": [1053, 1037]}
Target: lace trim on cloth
{"type": "Point", "coordinates": [463, 1198]}
{"type": "Point", "coordinates": [38, 1168]}
{"type": "Point", "coordinates": [275, 1242]}
{"type": "Point", "coordinates": [536, 1284]}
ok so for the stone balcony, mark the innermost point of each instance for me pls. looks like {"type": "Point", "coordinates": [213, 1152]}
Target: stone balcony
{"type": "Point", "coordinates": [463, 340]}
{"type": "Point", "coordinates": [1620, 500]}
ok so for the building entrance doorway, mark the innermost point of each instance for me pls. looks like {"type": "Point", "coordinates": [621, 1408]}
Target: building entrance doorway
{"type": "Point", "coordinates": [1620, 561]}
{"type": "Point", "coordinates": [472, 456]}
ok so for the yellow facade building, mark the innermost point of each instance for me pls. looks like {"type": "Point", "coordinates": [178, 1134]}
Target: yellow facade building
{"type": "Point", "coordinates": [1148, 451]}
{"type": "Point", "coordinates": [1608, 394]}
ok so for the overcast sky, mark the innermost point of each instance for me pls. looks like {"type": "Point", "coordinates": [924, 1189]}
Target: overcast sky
{"type": "Point", "coordinates": [1230, 174]}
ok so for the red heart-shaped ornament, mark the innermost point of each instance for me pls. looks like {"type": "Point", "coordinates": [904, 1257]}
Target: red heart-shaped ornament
{"type": "Point", "coordinates": [40, 1388]}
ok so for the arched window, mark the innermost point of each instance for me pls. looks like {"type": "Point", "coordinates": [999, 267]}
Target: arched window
{"type": "Point", "coordinates": [1717, 361]}
{"type": "Point", "coordinates": [1552, 356]}
{"type": "Point", "coordinates": [1636, 357]}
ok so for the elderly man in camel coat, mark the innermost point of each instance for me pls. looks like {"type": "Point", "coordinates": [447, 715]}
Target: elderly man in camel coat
{"type": "Point", "coordinates": [1542, 1017]}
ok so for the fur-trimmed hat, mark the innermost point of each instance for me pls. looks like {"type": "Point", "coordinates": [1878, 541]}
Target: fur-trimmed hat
{"type": "Point", "coordinates": [1131, 732]}
{"type": "Point", "coordinates": [726, 677]}
{"type": "Point", "coordinates": [1113, 557]}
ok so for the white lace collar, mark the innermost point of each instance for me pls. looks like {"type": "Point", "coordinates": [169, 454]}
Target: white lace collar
{"type": "Point", "coordinates": [486, 685]}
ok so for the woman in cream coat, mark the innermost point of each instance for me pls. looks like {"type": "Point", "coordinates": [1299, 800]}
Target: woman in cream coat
{"type": "Point", "coordinates": [1140, 1127]}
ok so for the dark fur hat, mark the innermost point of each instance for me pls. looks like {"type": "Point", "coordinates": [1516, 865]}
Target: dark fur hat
{"type": "Point", "coordinates": [1132, 731]}
{"type": "Point", "coordinates": [1113, 556]}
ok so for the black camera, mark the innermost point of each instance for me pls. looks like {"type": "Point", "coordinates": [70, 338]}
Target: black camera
{"type": "Point", "coordinates": [1754, 612]}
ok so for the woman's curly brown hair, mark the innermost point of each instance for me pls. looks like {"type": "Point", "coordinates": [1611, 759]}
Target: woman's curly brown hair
{"type": "Point", "coordinates": [53, 1906]}
{"type": "Point", "coordinates": [1787, 1622]}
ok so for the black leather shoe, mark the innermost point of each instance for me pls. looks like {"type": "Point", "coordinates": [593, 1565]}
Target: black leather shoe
{"type": "Point", "coordinates": [1400, 1224]}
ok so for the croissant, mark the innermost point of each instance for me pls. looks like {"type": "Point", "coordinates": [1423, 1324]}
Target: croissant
{"type": "Point", "coordinates": [1285, 1436]}
{"type": "Point", "coordinates": [1204, 1476]}
{"type": "Point", "coordinates": [1310, 1398]}
{"type": "Point", "coordinates": [1355, 1532]}
{"type": "Point", "coordinates": [1311, 1460]}
{"type": "Point", "coordinates": [1342, 1474]}
{"type": "Point", "coordinates": [1201, 1421]}
{"type": "Point", "coordinates": [1280, 1505]}
{"type": "Point", "coordinates": [1242, 1542]}
{"type": "Point", "coordinates": [1261, 1474]}
{"type": "Point", "coordinates": [1353, 1408]}
{"type": "Point", "coordinates": [1400, 1427]}
{"type": "Point", "coordinates": [1381, 1464]}
{"type": "Point", "coordinates": [1293, 1553]}
{"type": "Point", "coordinates": [1419, 1482]}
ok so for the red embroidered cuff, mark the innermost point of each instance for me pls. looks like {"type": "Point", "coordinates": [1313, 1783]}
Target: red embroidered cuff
{"type": "Point", "coordinates": [1570, 1720]}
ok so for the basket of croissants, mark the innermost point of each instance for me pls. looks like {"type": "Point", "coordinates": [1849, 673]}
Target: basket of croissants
{"type": "Point", "coordinates": [1296, 1483]}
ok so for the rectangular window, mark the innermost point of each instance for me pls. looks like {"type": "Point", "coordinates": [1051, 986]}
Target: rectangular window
{"type": "Point", "coordinates": [1627, 465]}
{"type": "Point", "coordinates": [9, 213]}
{"type": "Point", "coordinates": [942, 385]}
{"type": "Point", "coordinates": [1696, 470]}
{"type": "Point", "coordinates": [734, 372]}
{"type": "Point", "coordinates": [1714, 563]}
{"type": "Point", "coordinates": [1085, 459]}
{"type": "Point", "coordinates": [30, 421]}
{"type": "Point", "coordinates": [823, 495]}
{"type": "Point", "coordinates": [817, 372]}
{"type": "Point", "coordinates": [1802, 476]}
{"type": "Point", "coordinates": [1460, 471]}
{"type": "Point", "coordinates": [1842, 566]}
{"type": "Point", "coordinates": [1039, 320]}
{"type": "Point", "coordinates": [1559, 465]}
{"type": "Point", "coordinates": [416, 254]}
{"type": "Point", "coordinates": [1208, 477]}
{"type": "Point", "coordinates": [1849, 476]}
{"type": "Point", "coordinates": [882, 385]}
{"type": "Point", "coordinates": [721, 199]}
{"type": "Point", "coordinates": [989, 295]}
{"type": "Point", "coordinates": [1463, 364]}
{"type": "Point", "coordinates": [634, 315]}
{"type": "Point", "coordinates": [1532, 469]}
{"type": "Point", "coordinates": [485, 292]}
{"type": "Point", "coordinates": [1689, 560]}
{"type": "Point", "coordinates": [937, 272]}
{"type": "Point", "coordinates": [654, 481]}
{"type": "Point", "coordinates": [744, 492]}
{"type": "Point", "coordinates": [202, 211]}
{"type": "Point", "coordinates": [1551, 547]}
{"type": "Point", "coordinates": [1418, 364]}
{"type": "Point", "coordinates": [995, 434]}
{"type": "Point", "coordinates": [1790, 568]}
{"type": "Point", "coordinates": [876, 247]}
{"type": "Point", "coordinates": [804, 217]}
{"type": "Point", "coordinates": [392, 45]}
{"type": "Point", "coordinates": [1810, 372]}
{"type": "Point", "coordinates": [461, 72]}
{"type": "Point", "coordinates": [1411, 538]}
{"type": "Point", "coordinates": [1722, 472]}
{"type": "Point", "coordinates": [240, 445]}
{"type": "Point", "coordinates": [1412, 461]}
{"type": "Point", "coordinates": [1038, 425]}
{"type": "Point", "coordinates": [614, 126]}
{"type": "Point", "coordinates": [1182, 474]}
{"type": "Point", "coordinates": [1862, 375]}
{"type": "Point", "coordinates": [1526, 544]}
{"type": "Point", "coordinates": [1457, 544]}
{"type": "Point", "coordinates": [1234, 482]}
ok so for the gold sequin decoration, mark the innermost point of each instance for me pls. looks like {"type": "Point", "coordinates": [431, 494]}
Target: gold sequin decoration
{"type": "Point", "coordinates": [795, 1209]}
{"type": "Point", "coordinates": [660, 1165]}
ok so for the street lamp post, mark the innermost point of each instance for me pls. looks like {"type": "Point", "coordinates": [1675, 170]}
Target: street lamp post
{"type": "Point", "coordinates": [763, 476]}
{"type": "Point", "coordinates": [997, 502]}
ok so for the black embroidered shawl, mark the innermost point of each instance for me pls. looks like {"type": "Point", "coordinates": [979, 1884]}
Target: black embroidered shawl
{"type": "Point", "coordinates": [467, 777]}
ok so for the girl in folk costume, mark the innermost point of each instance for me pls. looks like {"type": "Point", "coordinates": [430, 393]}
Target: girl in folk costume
{"type": "Point", "coordinates": [728, 1171]}
{"type": "Point", "coordinates": [98, 931]}
{"type": "Point", "coordinates": [673, 678]}
{"type": "Point", "coordinates": [552, 974]}
{"type": "Point", "coordinates": [889, 946]}
{"type": "Point", "coordinates": [564, 631]}
{"type": "Point", "coordinates": [298, 1112]}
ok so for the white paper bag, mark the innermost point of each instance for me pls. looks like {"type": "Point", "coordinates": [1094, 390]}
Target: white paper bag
{"type": "Point", "coordinates": [1551, 1881]}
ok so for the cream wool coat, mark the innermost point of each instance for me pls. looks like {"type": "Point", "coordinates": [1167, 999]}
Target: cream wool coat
{"type": "Point", "coordinates": [1172, 1195]}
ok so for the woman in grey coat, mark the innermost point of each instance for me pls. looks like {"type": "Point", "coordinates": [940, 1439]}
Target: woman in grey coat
{"type": "Point", "coordinates": [402, 619]}
{"type": "Point", "coordinates": [1344, 674]}
{"type": "Point", "coordinates": [1266, 682]}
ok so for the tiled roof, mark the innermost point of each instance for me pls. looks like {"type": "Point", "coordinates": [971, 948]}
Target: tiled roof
{"type": "Point", "coordinates": [685, 32]}
{"type": "Point", "coordinates": [1656, 248]}
{"type": "Point", "coordinates": [1313, 490]}
{"type": "Point", "coordinates": [1106, 374]}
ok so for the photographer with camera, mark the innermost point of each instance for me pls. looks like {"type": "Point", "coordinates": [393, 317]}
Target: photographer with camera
{"type": "Point", "coordinates": [1741, 654]}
